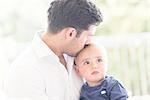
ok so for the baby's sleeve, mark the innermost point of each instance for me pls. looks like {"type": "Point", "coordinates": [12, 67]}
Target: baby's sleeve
{"type": "Point", "coordinates": [118, 92]}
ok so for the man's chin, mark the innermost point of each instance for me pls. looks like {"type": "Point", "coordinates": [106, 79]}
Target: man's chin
{"type": "Point", "coordinates": [72, 55]}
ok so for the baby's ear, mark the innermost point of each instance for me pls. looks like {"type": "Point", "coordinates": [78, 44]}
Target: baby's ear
{"type": "Point", "coordinates": [76, 69]}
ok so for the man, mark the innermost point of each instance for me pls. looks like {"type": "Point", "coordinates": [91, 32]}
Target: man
{"type": "Point", "coordinates": [44, 70]}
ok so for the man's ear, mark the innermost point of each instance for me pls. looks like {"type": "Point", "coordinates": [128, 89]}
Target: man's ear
{"type": "Point", "coordinates": [70, 33]}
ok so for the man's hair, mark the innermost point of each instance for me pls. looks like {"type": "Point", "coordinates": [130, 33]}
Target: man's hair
{"type": "Point", "coordinates": [79, 14]}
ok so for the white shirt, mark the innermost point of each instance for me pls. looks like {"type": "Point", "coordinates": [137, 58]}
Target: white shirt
{"type": "Point", "coordinates": [37, 74]}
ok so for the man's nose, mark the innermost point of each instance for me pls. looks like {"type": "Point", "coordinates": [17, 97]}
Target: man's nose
{"type": "Point", "coordinates": [89, 40]}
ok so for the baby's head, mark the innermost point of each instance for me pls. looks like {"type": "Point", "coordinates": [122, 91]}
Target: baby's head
{"type": "Point", "coordinates": [91, 63]}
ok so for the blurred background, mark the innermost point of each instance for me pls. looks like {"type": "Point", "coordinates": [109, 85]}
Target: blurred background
{"type": "Point", "coordinates": [125, 33]}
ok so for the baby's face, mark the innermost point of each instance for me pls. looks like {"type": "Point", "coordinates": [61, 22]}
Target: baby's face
{"type": "Point", "coordinates": [92, 63]}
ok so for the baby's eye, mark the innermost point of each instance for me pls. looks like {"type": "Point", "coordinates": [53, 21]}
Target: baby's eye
{"type": "Point", "coordinates": [86, 62]}
{"type": "Point", "coordinates": [99, 60]}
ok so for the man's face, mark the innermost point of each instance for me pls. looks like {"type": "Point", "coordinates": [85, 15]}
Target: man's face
{"type": "Point", "coordinates": [91, 64]}
{"type": "Point", "coordinates": [79, 42]}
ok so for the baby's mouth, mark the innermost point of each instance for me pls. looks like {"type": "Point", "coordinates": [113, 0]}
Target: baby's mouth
{"type": "Point", "coordinates": [94, 72]}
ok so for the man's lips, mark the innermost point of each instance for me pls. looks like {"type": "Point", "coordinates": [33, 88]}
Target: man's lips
{"type": "Point", "coordinates": [94, 72]}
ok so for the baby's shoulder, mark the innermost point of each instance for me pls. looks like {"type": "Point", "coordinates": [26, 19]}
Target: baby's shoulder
{"type": "Point", "coordinates": [111, 81]}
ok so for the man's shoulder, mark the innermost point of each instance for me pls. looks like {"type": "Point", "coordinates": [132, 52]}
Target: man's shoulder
{"type": "Point", "coordinates": [25, 59]}
{"type": "Point", "coordinates": [25, 55]}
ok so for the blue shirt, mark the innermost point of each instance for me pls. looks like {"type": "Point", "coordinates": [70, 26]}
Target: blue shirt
{"type": "Point", "coordinates": [109, 89]}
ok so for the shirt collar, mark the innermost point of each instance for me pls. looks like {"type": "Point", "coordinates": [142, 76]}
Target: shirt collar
{"type": "Point", "coordinates": [41, 48]}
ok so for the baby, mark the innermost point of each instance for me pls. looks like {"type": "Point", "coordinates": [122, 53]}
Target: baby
{"type": "Point", "coordinates": [91, 64]}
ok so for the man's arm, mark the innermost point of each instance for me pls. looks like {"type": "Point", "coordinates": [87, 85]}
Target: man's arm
{"type": "Point", "coordinates": [24, 83]}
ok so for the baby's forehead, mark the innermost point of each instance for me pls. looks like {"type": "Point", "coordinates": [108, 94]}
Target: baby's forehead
{"type": "Point", "coordinates": [98, 49]}
{"type": "Point", "coordinates": [93, 47]}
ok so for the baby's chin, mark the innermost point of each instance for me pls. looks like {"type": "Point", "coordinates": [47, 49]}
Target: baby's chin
{"type": "Point", "coordinates": [95, 83]}
{"type": "Point", "coordinates": [96, 79]}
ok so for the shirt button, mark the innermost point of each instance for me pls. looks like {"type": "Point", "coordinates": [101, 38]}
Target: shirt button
{"type": "Point", "coordinates": [103, 92]}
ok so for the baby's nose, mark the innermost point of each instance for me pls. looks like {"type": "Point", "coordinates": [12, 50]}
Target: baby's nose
{"type": "Point", "coordinates": [94, 65]}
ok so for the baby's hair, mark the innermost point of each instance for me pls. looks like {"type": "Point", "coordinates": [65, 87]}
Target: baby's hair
{"type": "Point", "coordinates": [74, 63]}
{"type": "Point", "coordinates": [79, 52]}
{"type": "Point", "coordinates": [91, 44]}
